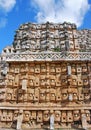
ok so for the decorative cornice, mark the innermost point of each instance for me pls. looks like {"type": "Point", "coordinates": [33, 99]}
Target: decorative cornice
{"type": "Point", "coordinates": [48, 56]}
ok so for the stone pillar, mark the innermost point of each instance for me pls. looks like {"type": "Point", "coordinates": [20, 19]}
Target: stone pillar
{"type": "Point", "coordinates": [69, 70]}
{"type": "Point", "coordinates": [51, 120]}
{"type": "Point", "coordinates": [84, 120]}
{"type": "Point", "coordinates": [19, 120]}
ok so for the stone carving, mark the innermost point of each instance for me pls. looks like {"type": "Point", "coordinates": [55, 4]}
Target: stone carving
{"type": "Point", "coordinates": [45, 78]}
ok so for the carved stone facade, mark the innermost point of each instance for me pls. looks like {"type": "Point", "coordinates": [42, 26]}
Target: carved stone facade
{"type": "Point", "coordinates": [84, 39]}
{"type": "Point", "coordinates": [38, 84]}
{"type": "Point", "coordinates": [49, 36]}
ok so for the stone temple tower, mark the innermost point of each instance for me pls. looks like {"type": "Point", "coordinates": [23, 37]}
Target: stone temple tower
{"type": "Point", "coordinates": [45, 78]}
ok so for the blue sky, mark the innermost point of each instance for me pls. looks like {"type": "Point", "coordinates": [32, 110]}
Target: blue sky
{"type": "Point", "coordinates": [15, 12]}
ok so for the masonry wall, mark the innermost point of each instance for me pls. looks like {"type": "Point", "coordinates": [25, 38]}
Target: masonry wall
{"type": "Point", "coordinates": [38, 89]}
{"type": "Point", "coordinates": [44, 75]}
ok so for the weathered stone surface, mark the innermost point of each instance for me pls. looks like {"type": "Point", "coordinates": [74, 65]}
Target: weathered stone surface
{"type": "Point", "coordinates": [37, 84]}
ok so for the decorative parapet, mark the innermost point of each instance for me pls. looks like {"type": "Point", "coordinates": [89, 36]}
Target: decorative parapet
{"type": "Point", "coordinates": [48, 56]}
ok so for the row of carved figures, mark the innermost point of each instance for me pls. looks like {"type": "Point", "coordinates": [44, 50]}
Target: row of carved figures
{"type": "Point", "coordinates": [39, 119]}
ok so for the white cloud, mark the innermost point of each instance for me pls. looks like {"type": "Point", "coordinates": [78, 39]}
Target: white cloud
{"type": "Point", "coordinates": [7, 5]}
{"type": "Point", "coordinates": [61, 10]}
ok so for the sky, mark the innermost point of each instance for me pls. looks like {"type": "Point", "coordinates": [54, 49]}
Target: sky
{"type": "Point", "coordinates": [13, 13]}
